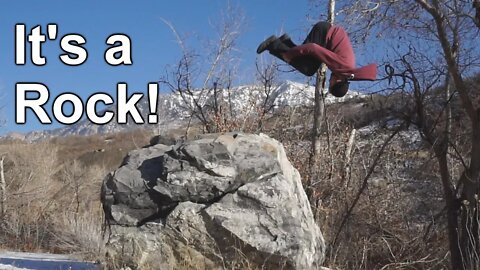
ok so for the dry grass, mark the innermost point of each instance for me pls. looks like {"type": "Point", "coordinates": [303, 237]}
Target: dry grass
{"type": "Point", "coordinates": [53, 191]}
{"type": "Point", "coordinates": [393, 225]}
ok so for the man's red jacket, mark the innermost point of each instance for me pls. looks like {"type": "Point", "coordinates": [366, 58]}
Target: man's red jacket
{"type": "Point", "coordinates": [338, 55]}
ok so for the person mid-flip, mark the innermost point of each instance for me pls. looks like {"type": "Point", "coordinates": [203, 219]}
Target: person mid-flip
{"type": "Point", "coordinates": [326, 43]}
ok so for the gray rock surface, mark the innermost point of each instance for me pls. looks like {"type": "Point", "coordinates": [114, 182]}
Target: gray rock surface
{"type": "Point", "coordinates": [219, 201]}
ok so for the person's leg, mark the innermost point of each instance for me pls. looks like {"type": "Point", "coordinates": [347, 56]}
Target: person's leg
{"type": "Point", "coordinates": [305, 64]}
{"type": "Point", "coordinates": [278, 46]}
{"type": "Point", "coordinates": [266, 44]}
{"type": "Point", "coordinates": [285, 38]}
{"type": "Point", "coordinates": [318, 34]}
{"type": "Point", "coordinates": [274, 45]}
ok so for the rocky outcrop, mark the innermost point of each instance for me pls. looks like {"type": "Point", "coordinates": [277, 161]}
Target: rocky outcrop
{"type": "Point", "coordinates": [218, 201]}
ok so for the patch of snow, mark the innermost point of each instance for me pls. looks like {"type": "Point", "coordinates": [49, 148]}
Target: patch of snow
{"type": "Point", "coordinates": [393, 123]}
{"type": "Point", "coordinates": [11, 267]}
{"type": "Point", "coordinates": [411, 138]}
{"type": "Point", "coordinates": [367, 130]}
{"type": "Point", "coordinates": [35, 256]}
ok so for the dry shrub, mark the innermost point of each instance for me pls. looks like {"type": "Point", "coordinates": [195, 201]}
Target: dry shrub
{"type": "Point", "coordinates": [395, 223]}
{"type": "Point", "coordinates": [53, 201]}
{"type": "Point", "coordinates": [81, 234]}
{"type": "Point", "coordinates": [250, 118]}
{"type": "Point", "coordinates": [29, 174]}
{"type": "Point", "coordinates": [51, 206]}
{"type": "Point", "coordinates": [79, 220]}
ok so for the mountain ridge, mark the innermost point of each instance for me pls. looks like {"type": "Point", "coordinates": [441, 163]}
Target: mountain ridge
{"type": "Point", "coordinates": [173, 111]}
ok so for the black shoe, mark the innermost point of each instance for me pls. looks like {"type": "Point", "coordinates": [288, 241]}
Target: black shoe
{"type": "Point", "coordinates": [265, 44]}
{"type": "Point", "coordinates": [285, 38]}
{"type": "Point", "coordinates": [277, 47]}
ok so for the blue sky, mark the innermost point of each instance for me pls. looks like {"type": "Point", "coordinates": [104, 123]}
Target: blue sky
{"type": "Point", "coordinates": [153, 44]}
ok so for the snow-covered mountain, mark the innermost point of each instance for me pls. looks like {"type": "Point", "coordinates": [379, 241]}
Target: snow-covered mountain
{"type": "Point", "coordinates": [175, 109]}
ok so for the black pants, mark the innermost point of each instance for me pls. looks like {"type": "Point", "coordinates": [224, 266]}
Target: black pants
{"type": "Point", "coordinates": [305, 64]}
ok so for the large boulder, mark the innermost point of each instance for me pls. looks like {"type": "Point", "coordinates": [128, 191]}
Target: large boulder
{"type": "Point", "coordinates": [228, 200]}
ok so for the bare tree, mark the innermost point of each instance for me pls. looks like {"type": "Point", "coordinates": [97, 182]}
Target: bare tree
{"type": "Point", "coordinates": [189, 79]}
{"type": "Point", "coordinates": [267, 75]}
{"type": "Point", "coordinates": [476, 6]}
{"type": "Point", "coordinates": [318, 111]}
{"type": "Point", "coordinates": [439, 40]}
{"type": "Point", "coordinates": [3, 188]}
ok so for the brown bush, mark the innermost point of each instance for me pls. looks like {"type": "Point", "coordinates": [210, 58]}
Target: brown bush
{"type": "Point", "coordinates": [53, 202]}
{"type": "Point", "coordinates": [52, 194]}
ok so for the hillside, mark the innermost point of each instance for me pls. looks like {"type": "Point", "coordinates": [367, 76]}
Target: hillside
{"type": "Point", "coordinates": [57, 178]}
{"type": "Point", "coordinates": [173, 113]}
